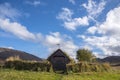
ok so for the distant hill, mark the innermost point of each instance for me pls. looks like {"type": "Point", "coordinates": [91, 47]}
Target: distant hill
{"type": "Point", "coordinates": [6, 53]}
{"type": "Point", "coordinates": [110, 59]}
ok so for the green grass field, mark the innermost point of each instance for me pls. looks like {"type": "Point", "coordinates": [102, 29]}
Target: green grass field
{"type": "Point", "coordinates": [29, 75]}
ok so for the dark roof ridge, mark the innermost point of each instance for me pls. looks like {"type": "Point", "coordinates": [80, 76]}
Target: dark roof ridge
{"type": "Point", "coordinates": [57, 51]}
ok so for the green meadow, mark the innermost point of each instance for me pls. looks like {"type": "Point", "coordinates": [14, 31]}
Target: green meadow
{"type": "Point", "coordinates": [7, 74]}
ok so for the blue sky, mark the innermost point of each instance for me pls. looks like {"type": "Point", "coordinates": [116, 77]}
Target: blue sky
{"type": "Point", "coordinates": [37, 26]}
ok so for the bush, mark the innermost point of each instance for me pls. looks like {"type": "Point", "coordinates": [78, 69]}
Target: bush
{"type": "Point", "coordinates": [106, 67]}
{"type": "Point", "coordinates": [88, 67]}
{"type": "Point", "coordinates": [85, 55]}
{"type": "Point", "coordinates": [96, 67]}
{"type": "Point", "coordinates": [24, 65]}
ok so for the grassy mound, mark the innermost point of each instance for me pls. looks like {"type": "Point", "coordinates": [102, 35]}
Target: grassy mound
{"type": "Point", "coordinates": [88, 67]}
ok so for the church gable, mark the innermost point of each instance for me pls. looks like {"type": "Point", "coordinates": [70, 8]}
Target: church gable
{"type": "Point", "coordinates": [59, 59]}
{"type": "Point", "coordinates": [58, 53]}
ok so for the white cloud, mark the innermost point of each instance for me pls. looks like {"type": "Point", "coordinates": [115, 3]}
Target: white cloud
{"type": "Point", "coordinates": [16, 29]}
{"type": "Point", "coordinates": [72, 1]}
{"type": "Point", "coordinates": [109, 31]}
{"type": "Point", "coordinates": [66, 44]}
{"type": "Point", "coordinates": [72, 23]}
{"type": "Point", "coordinates": [34, 3]}
{"type": "Point", "coordinates": [81, 36]}
{"type": "Point", "coordinates": [65, 15]}
{"type": "Point", "coordinates": [112, 24]}
{"type": "Point", "coordinates": [6, 11]}
{"type": "Point", "coordinates": [53, 39]}
{"type": "Point", "coordinates": [76, 22]}
{"type": "Point", "coordinates": [108, 45]}
{"type": "Point", "coordinates": [93, 8]}
{"type": "Point", "coordinates": [92, 30]}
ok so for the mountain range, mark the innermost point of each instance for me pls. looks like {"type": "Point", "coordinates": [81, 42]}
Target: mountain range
{"type": "Point", "coordinates": [110, 59]}
{"type": "Point", "coordinates": [5, 53]}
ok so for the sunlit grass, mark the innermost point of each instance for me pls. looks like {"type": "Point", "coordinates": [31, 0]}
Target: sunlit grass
{"type": "Point", "coordinates": [26, 75]}
{"type": "Point", "coordinates": [93, 76]}
{"type": "Point", "coordinates": [6, 74]}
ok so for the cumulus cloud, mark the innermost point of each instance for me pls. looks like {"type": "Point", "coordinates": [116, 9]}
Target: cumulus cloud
{"type": "Point", "coordinates": [109, 31]}
{"type": "Point", "coordinates": [66, 44]}
{"type": "Point", "coordinates": [53, 38]}
{"type": "Point", "coordinates": [108, 45]}
{"type": "Point", "coordinates": [69, 22]}
{"type": "Point", "coordinates": [76, 22]}
{"type": "Point", "coordinates": [112, 24]}
{"type": "Point", "coordinates": [16, 29]}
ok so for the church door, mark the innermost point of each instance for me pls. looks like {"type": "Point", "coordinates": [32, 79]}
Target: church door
{"type": "Point", "coordinates": [59, 63]}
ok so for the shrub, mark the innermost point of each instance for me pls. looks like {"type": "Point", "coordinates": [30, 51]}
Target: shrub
{"type": "Point", "coordinates": [106, 67]}
{"type": "Point", "coordinates": [88, 67]}
{"type": "Point", "coordinates": [85, 55]}
{"type": "Point", "coordinates": [95, 67]}
{"type": "Point", "coordinates": [24, 65]}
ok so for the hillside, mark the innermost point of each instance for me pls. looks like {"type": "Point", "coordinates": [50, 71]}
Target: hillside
{"type": "Point", "coordinates": [110, 59]}
{"type": "Point", "coordinates": [6, 53]}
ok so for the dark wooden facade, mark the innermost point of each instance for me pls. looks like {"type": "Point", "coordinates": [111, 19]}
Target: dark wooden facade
{"type": "Point", "coordinates": [59, 60]}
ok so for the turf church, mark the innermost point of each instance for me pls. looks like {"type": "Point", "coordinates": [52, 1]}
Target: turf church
{"type": "Point", "coordinates": [59, 59]}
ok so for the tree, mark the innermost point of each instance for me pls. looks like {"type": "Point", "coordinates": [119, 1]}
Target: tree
{"type": "Point", "coordinates": [85, 55]}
